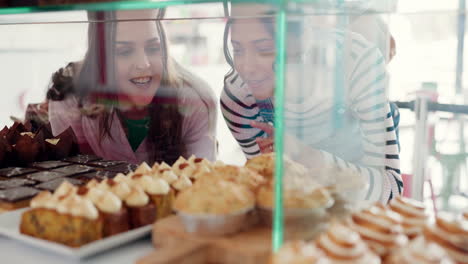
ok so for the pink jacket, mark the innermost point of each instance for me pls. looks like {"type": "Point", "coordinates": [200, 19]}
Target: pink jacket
{"type": "Point", "coordinates": [198, 131]}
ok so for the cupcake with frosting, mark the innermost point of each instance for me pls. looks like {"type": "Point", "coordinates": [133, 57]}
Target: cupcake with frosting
{"type": "Point", "coordinates": [159, 192]}
{"type": "Point", "coordinates": [114, 214]}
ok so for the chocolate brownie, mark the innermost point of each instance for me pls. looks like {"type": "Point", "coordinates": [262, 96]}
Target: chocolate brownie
{"type": "Point", "coordinates": [54, 184]}
{"type": "Point", "coordinates": [105, 163]}
{"type": "Point", "coordinates": [82, 159]}
{"type": "Point", "coordinates": [123, 168]}
{"type": "Point", "coordinates": [98, 175]}
{"type": "Point", "coordinates": [44, 176]}
{"type": "Point", "coordinates": [17, 194]}
{"type": "Point", "coordinates": [73, 170]}
{"type": "Point", "coordinates": [50, 164]}
{"type": "Point", "coordinates": [12, 183]}
{"type": "Point", "coordinates": [14, 172]}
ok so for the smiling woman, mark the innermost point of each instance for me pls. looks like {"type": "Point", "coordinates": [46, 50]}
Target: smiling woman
{"type": "Point", "coordinates": [128, 99]}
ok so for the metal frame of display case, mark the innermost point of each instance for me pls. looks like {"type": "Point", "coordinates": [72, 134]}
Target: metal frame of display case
{"type": "Point", "coordinates": [281, 26]}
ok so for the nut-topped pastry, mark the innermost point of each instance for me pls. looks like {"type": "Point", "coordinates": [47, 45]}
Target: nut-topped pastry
{"type": "Point", "coordinates": [343, 245]}
{"type": "Point", "coordinates": [263, 164]}
{"type": "Point", "coordinates": [380, 228]}
{"type": "Point", "coordinates": [451, 233]}
{"type": "Point", "coordinates": [419, 251]}
{"type": "Point", "coordinates": [299, 252]}
{"type": "Point", "coordinates": [413, 214]}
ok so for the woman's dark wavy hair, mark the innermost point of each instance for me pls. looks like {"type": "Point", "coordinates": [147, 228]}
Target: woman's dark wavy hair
{"type": "Point", "coordinates": [94, 82]}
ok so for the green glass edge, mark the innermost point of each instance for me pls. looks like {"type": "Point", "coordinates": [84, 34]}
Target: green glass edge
{"type": "Point", "coordinates": [118, 5]}
{"type": "Point", "coordinates": [278, 230]}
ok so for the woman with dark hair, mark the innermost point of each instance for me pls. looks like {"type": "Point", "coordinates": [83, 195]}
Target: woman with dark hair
{"type": "Point", "coordinates": [128, 99]}
{"type": "Point", "coordinates": [336, 110]}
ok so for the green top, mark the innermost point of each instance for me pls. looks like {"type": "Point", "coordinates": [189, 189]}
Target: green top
{"type": "Point", "coordinates": [137, 130]}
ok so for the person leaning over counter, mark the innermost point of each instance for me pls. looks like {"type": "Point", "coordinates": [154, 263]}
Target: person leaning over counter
{"type": "Point", "coordinates": [128, 99]}
{"type": "Point", "coordinates": [366, 141]}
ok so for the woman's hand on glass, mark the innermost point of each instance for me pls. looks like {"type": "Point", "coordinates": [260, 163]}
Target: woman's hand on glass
{"type": "Point", "coordinates": [266, 144]}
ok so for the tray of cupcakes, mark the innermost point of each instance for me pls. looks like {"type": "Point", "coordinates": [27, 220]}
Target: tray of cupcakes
{"type": "Point", "coordinates": [400, 232]}
{"type": "Point", "coordinates": [83, 219]}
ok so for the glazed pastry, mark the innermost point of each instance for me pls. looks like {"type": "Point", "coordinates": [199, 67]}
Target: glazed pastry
{"type": "Point", "coordinates": [380, 228]}
{"type": "Point", "coordinates": [299, 252]}
{"type": "Point", "coordinates": [419, 251]}
{"type": "Point", "coordinates": [451, 233]}
{"type": "Point", "coordinates": [343, 245]}
{"type": "Point", "coordinates": [413, 215]}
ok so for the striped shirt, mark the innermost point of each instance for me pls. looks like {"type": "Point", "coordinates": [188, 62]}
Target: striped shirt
{"type": "Point", "coordinates": [356, 132]}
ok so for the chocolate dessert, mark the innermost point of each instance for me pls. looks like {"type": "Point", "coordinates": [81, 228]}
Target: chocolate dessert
{"type": "Point", "coordinates": [14, 172]}
{"type": "Point", "coordinates": [123, 168]}
{"type": "Point", "coordinates": [98, 175]}
{"type": "Point", "coordinates": [44, 176]}
{"type": "Point", "coordinates": [13, 183]}
{"type": "Point", "coordinates": [105, 163]}
{"type": "Point", "coordinates": [73, 169]}
{"type": "Point", "coordinates": [26, 148]}
{"type": "Point", "coordinates": [16, 197]}
{"type": "Point", "coordinates": [54, 184]}
{"type": "Point", "coordinates": [50, 164]}
{"type": "Point", "coordinates": [61, 146]}
{"type": "Point", "coordinates": [82, 159]}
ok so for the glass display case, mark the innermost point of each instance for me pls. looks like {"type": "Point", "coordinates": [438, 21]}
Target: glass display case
{"type": "Point", "coordinates": [330, 105]}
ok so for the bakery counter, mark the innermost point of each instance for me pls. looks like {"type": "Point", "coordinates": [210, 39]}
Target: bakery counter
{"type": "Point", "coordinates": [12, 251]}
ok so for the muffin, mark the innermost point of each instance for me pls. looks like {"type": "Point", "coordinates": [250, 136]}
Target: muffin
{"type": "Point", "coordinates": [263, 164]}
{"type": "Point", "coordinates": [420, 251]}
{"type": "Point", "coordinates": [69, 220]}
{"type": "Point", "coordinates": [241, 175]}
{"type": "Point", "coordinates": [226, 214]}
{"type": "Point", "coordinates": [451, 233]}
{"type": "Point", "coordinates": [380, 228]}
{"type": "Point", "coordinates": [304, 207]}
{"type": "Point", "coordinates": [343, 245]}
{"type": "Point", "coordinates": [413, 214]}
{"type": "Point", "coordinates": [299, 252]}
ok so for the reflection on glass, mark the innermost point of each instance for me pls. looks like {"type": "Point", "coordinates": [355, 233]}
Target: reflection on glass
{"type": "Point", "coordinates": [128, 99]}
{"type": "Point", "coordinates": [337, 114]}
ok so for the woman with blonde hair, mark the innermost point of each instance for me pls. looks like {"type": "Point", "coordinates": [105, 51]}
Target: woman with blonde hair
{"type": "Point", "coordinates": [128, 99]}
